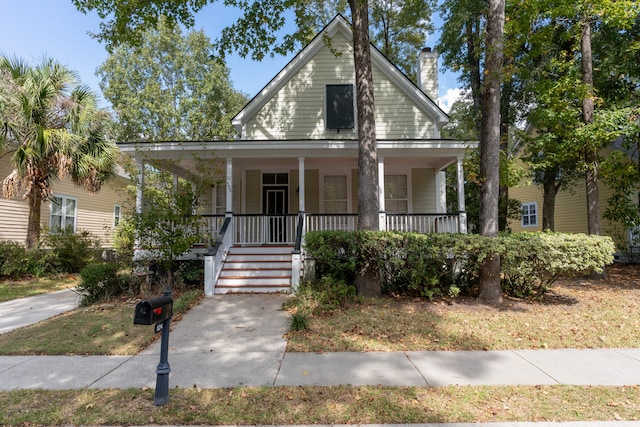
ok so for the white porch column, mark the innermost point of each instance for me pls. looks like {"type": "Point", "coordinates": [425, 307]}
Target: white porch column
{"type": "Point", "coordinates": [461, 204]}
{"type": "Point", "coordinates": [301, 184]}
{"type": "Point", "coordinates": [382, 216]}
{"type": "Point", "coordinates": [441, 192]}
{"type": "Point", "coordinates": [140, 183]}
{"type": "Point", "coordinates": [229, 208]}
{"type": "Point", "coordinates": [137, 253]}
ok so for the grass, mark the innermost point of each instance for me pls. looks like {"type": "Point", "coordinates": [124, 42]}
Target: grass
{"type": "Point", "coordinates": [101, 329]}
{"type": "Point", "coordinates": [12, 289]}
{"type": "Point", "coordinates": [577, 313]}
{"type": "Point", "coordinates": [320, 405]}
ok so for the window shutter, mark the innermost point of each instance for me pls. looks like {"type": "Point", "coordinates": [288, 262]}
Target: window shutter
{"type": "Point", "coordinates": [339, 108]}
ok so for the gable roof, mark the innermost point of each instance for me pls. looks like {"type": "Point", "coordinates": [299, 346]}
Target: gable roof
{"type": "Point", "coordinates": [338, 25]}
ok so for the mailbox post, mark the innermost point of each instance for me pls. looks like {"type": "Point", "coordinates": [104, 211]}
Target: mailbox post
{"type": "Point", "coordinates": [158, 311]}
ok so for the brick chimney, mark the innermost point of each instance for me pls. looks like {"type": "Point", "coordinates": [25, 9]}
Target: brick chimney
{"type": "Point", "coordinates": [428, 73]}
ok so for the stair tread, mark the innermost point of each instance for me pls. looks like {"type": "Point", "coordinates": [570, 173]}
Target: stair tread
{"type": "Point", "coordinates": [253, 268]}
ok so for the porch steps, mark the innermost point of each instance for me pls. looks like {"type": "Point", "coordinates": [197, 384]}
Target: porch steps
{"type": "Point", "coordinates": [256, 269]}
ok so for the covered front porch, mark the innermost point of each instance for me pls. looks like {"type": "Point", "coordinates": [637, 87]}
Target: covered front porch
{"type": "Point", "coordinates": [270, 193]}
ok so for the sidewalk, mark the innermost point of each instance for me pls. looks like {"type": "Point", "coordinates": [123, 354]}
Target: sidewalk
{"type": "Point", "coordinates": [21, 312]}
{"type": "Point", "coordinates": [237, 340]}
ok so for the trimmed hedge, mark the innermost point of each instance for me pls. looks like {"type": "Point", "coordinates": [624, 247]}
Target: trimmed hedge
{"type": "Point", "coordinates": [448, 264]}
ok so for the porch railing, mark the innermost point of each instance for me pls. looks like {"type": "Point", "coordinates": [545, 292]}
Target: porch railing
{"type": "Point", "coordinates": [281, 229]}
{"type": "Point", "coordinates": [326, 222]}
{"type": "Point", "coordinates": [210, 226]}
{"type": "Point", "coordinates": [215, 257]}
{"type": "Point", "coordinates": [264, 229]}
{"type": "Point", "coordinates": [423, 223]}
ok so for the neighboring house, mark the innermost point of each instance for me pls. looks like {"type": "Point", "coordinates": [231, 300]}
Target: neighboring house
{"type": "Point", "coordinates": [70, 206]}
{"type": "Point", "coordinates": [570, 211]}
{"type": "Point", "coordinates": [294, 168]}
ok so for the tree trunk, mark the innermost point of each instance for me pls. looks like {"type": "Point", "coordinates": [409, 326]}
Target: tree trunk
{"type": "Point", "coordinates": [549, 191]}
{"type": "Point", "coordinates": [367, 281]}
{"type": "Point", "coordinates": [591, 153]}
{"type": "Point", "coordinates": [33, 226]}
{"type": "Point", "coordinates": [490, 290]}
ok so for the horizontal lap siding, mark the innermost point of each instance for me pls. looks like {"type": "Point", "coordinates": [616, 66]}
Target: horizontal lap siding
{"type": "Point", "coordinates": [94, 212]}
{"type": "Point", "coordinates": [526, 194]}
{"type": "Point", "coordinates": [396, 115]}
{"type": "Point", "coordinates": [570, 211]}
{"type": "Point", "coordinates": [14, 213]}
{"type": "Point", "coordinates": [297, 110]}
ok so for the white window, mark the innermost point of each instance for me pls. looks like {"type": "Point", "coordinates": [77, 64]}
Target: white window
{"type": "Point", "coordinates": [117, 215]}
{"type": "Point", "coordinates": [63, 213]}
{"type": "Point", "coordinates": [335, 194]}
{"type": "Point", "coordinates": [530, 214]}
{"type": "Point", "coordinates": [396, 194]}
{"type": "Point", "coordinates": [340, 110]}
{"type": "Point", "coordinates": [221, 199]}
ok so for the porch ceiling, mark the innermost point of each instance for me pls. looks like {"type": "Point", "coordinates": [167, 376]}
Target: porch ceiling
{"type": "Point", "coordinates": [182, 158]}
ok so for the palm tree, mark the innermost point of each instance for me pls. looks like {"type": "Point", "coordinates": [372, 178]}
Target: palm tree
{"type": "Point", "coordinates": [53, 128]}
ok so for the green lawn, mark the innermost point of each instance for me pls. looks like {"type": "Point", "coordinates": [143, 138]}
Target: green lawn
{"type": "Point", "coordinates": [12, 289]}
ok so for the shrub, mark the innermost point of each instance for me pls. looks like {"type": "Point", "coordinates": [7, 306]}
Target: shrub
{"type": "Point", "coordinates": [100, 282]}
{"type": "Point", "coordinates": [324, 295]}
{"type": "Point", "coordinates": [531, 262]}
{"type": "Point", "coordinates": [123, 239]}
{"type": "Point", "coordinates": [190, 273]}
{"type": "Point", "coordinates": [16, 261]}
{"type": "Point", "coordinates": [70, 252]}
{"type": "Point", "coordinates": [334, 253]}
{"type": "Point", "coordinates": [449, 264]}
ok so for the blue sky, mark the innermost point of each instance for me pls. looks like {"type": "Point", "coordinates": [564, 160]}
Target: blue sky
{"type": "Point", "coordinates": [31, 29]}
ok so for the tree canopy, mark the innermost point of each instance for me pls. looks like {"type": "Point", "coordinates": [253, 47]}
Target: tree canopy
{"type": "Point", "coordinates": [170, 87]}
{"type": "Point", "coordinates": [51, 127]}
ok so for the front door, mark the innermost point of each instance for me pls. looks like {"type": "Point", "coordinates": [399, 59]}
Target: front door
{"type": "Point", "coordinates": [275, 207]}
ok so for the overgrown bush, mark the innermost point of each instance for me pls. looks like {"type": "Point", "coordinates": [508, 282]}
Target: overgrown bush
{"type": "Point", "coordinates": [100, 282]}
{"type": "Point", "coordinates": [16, 261]}
{"type": "Point", "coordinates": [70, 252]}
{"type": "Point", "coordinates": [448, 264]}
{"type": "Point", "coordinates": [323, 295]}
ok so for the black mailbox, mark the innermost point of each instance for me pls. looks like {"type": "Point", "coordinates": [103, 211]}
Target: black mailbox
{"type": "Point", "coordinates": [153, 311]}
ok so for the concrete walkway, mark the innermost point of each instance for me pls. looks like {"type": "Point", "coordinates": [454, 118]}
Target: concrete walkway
{"type": "Point", "coordinates": [21, 312]}
{"type": "Point", "coordinates": [237, 340]}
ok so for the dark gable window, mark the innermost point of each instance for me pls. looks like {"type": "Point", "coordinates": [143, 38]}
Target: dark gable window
{"type": "Point", "coordinates": [340, 111]}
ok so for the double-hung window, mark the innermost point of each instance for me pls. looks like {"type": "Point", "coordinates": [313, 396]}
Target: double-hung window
{"type": "Point", "coordinates": [335, 194]}
{"type": "Point", "coordinates": [530, 214]}
{"type": "Point", "coordinates": [63, 213]}
{"type": "Point", "coordinates": [117, 215]}
{"type": "Point", "coordinates": [396, 194]}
